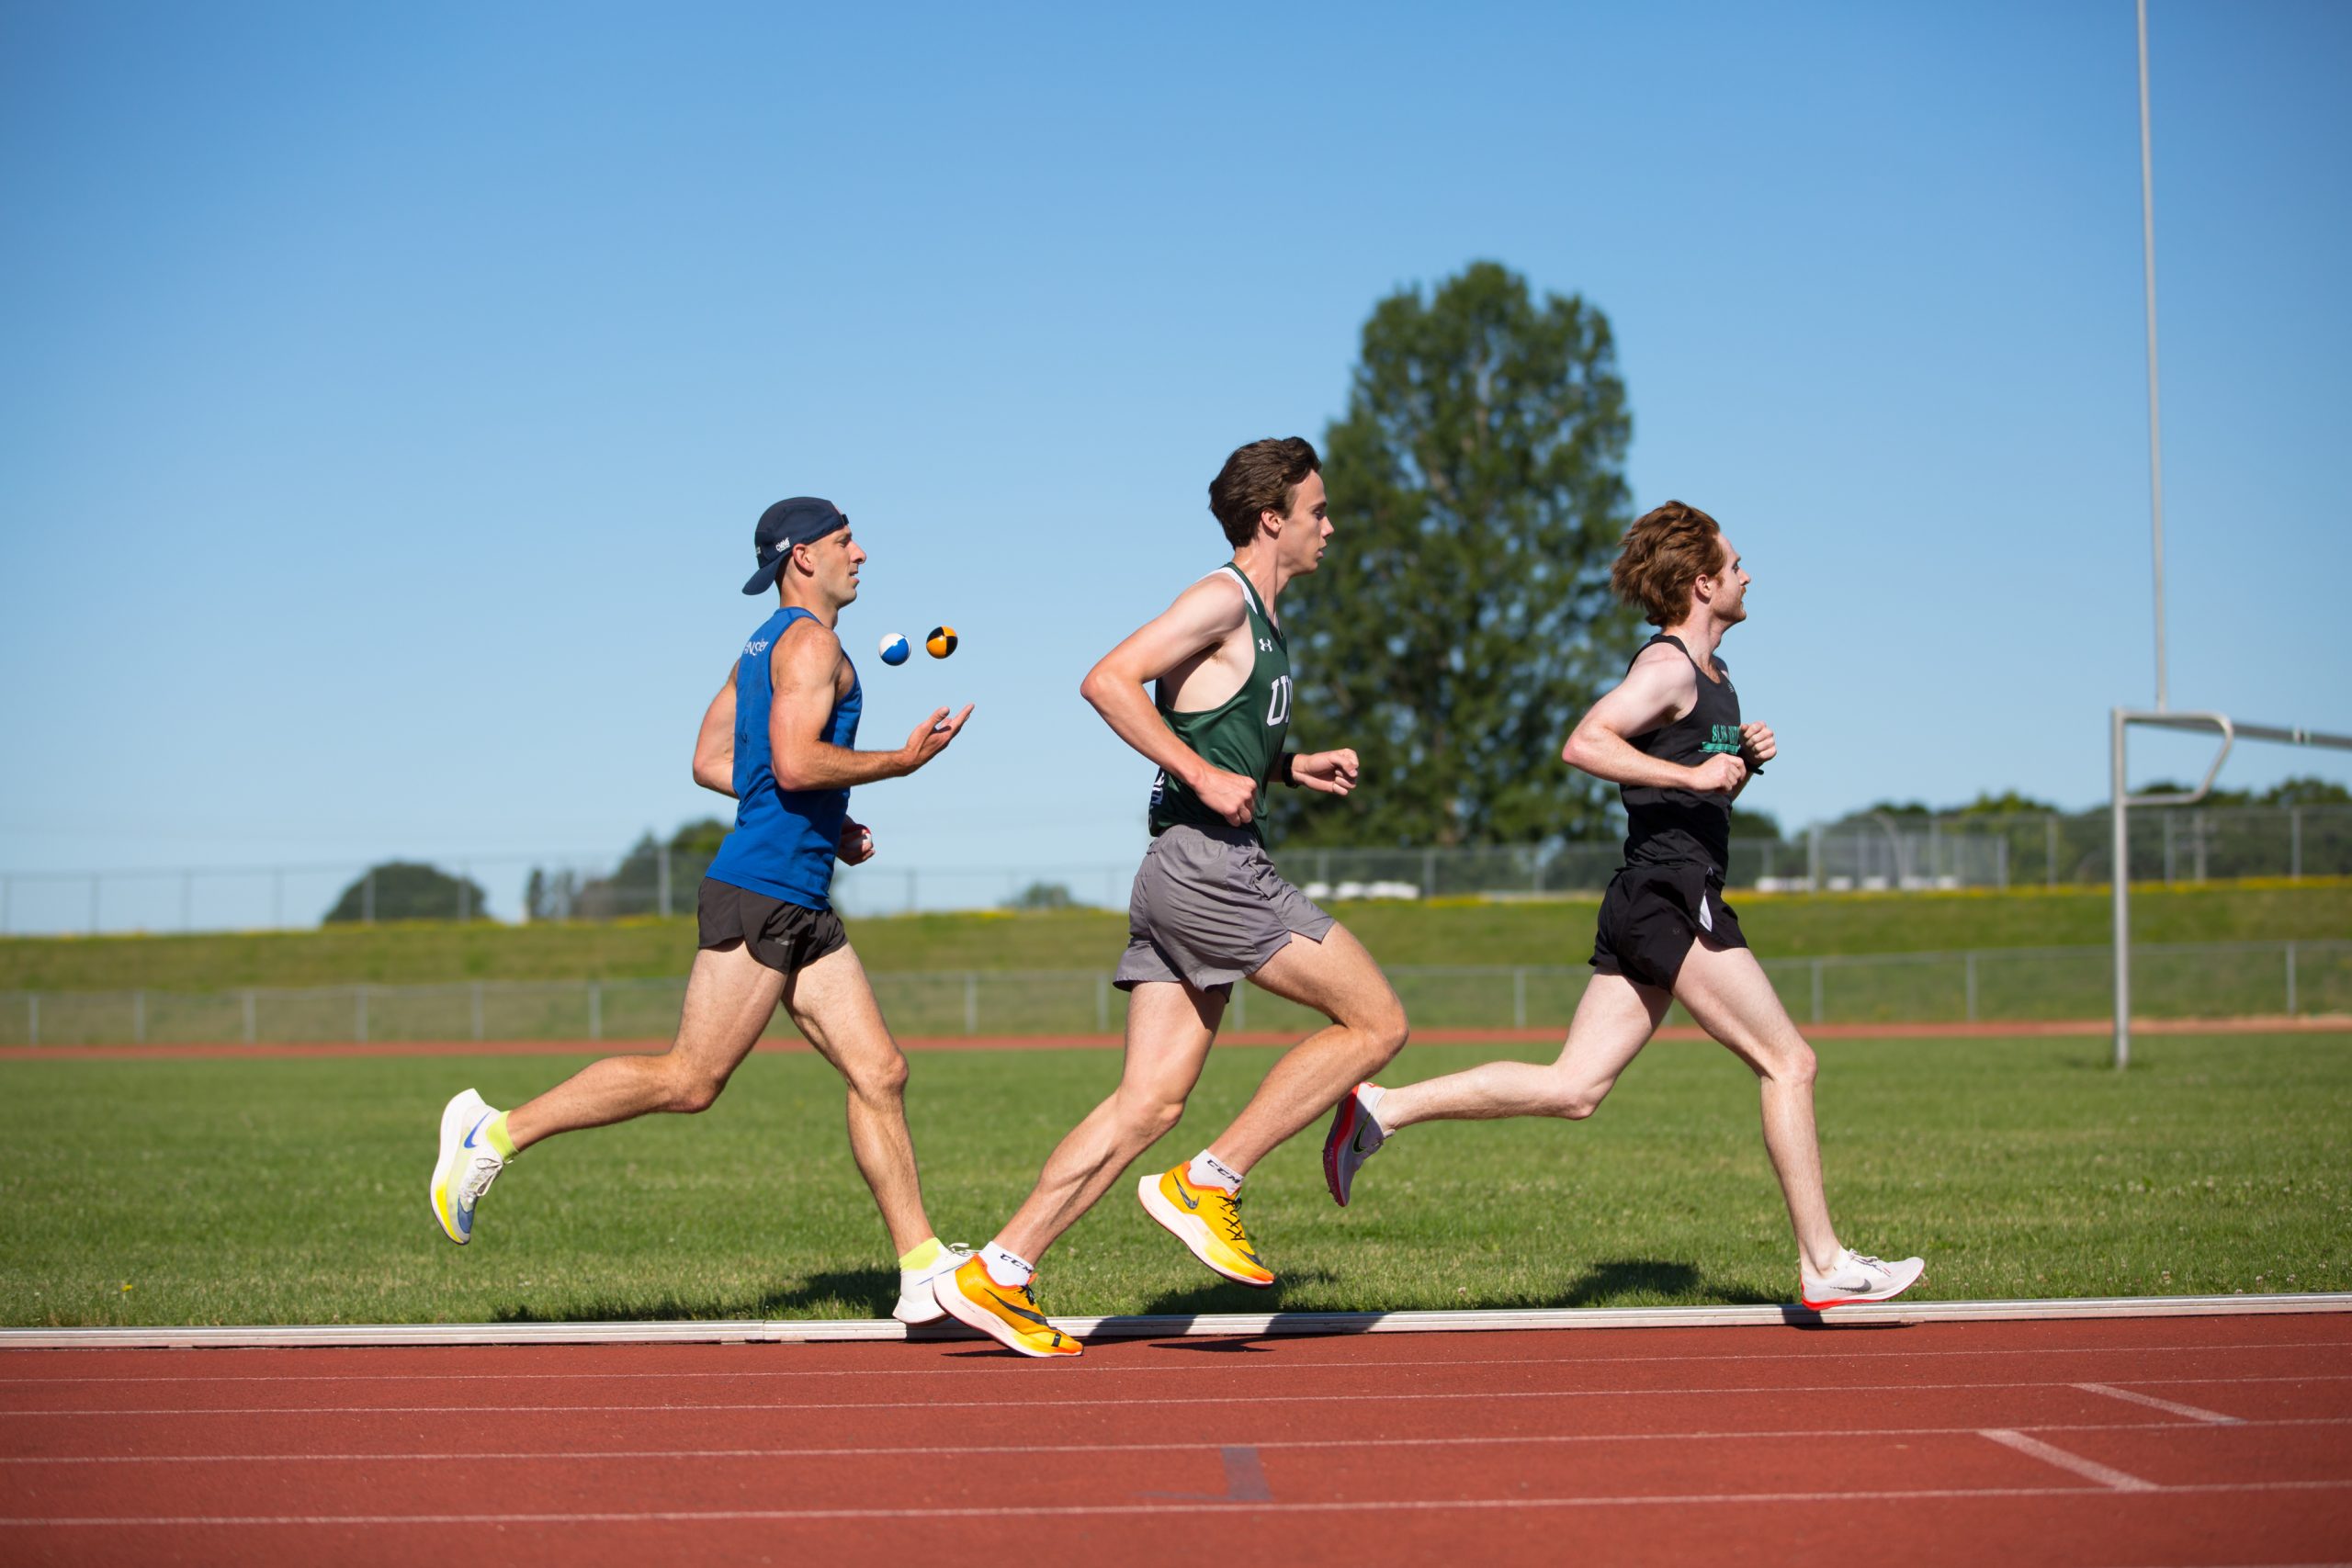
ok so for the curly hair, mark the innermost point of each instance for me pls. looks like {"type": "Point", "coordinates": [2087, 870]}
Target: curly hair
{"type": "Point", "coordinates": [1667, 548]}
{"type": "Point", "coordinates": [1261, 476]}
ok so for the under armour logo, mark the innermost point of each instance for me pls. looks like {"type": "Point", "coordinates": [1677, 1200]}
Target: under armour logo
{"type": "Point", "coordinates": [1265, 644]}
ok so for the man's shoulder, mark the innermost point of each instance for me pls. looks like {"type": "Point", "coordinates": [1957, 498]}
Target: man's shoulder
{"type": "Point", "coordinates": [1219, 599]}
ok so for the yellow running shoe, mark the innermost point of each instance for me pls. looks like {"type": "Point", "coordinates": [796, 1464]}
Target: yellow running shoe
{"type": "Point", "coordinates": [1207, 1220]}
{"type": "Point", "coordinates": [1008, 1316]}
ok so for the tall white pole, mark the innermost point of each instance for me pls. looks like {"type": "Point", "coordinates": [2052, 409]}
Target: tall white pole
{"type": "Point", "coordinates": [2155, 437]}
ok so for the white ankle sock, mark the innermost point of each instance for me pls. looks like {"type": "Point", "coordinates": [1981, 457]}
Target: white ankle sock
{"type": "Point", "coordinates": [1372, 1099]}
{"type": "Point", "coordinates": [1006, 1270]}
{"type": "Point", "coordinates": [1207, 1170]}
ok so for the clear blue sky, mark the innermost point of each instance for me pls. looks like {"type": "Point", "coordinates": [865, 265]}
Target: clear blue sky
{"type": "Point", "coordinates": [389, 394]}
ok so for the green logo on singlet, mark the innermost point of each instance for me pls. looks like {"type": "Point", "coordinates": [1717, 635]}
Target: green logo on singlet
{"type": "Point", "coordinates": [1721, 738]}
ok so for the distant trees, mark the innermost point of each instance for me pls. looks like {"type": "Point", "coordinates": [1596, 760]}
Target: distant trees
{"type": "Point", "coordinates": [1041, 896]}
{"type": "Point", "coordinates": [407, 890]}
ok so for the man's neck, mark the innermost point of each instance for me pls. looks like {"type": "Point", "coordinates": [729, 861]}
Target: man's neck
{"type": "Point", "coordinates": [1260, 564]}
{"type": "Point", "coordinates": [826, 612]}
{"type": "Point", "coordinates": [1699, 633]}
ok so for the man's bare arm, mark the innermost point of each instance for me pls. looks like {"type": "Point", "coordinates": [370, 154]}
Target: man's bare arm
{"type": "Point", "coordinates": [715, 746]}
{"type": "Point", "coordinates": [1209, 611]}
{"type": "Point", "coordinates": [1659, 686]}
{"type": "Point", "coordinates": [804, 668]}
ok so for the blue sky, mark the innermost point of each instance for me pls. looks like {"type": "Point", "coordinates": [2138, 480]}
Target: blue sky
{"type": "Point", "coordinates": [390, 396]}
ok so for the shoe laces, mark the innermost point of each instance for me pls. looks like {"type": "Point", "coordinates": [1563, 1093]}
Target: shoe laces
{"type": "Point", "coordinates": [480, 1173]}
{"type": "Point", "coordinates": [1228, 1214]}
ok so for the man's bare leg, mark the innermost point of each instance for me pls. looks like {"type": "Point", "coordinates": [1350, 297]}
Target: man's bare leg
{"type": "Point", "coordinates": [832, 1003]}
{"type": "Point", "coordinates": [1170, 1028]}
{"type": "Point", "coordinates": [1338, 979]}
{"type": "Point", "coordinates": [730, 996]}
{"type": "Point", "coordinates": [1613, 1021]}
{"type": "Point", "coordinates": [1729, 996]}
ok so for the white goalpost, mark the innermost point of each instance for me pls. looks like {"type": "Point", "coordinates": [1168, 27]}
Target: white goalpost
{"type": "Point", "coordinates": [2231, 731]}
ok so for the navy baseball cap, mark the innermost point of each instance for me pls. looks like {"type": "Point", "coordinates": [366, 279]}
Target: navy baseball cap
{"type": "Point", "coordinates": [801, 520]}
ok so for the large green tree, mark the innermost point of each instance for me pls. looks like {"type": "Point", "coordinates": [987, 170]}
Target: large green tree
{"type": "Point", "coordinates": [1462, 619]}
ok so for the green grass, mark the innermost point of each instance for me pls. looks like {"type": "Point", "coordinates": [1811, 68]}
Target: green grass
{"type": "Point", "coordinates": [168, 1193]}
{"type": "Point", "coordinates": [1549, 931]}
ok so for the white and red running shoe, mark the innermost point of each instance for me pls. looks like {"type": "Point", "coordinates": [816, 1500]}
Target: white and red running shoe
{"type": "Point", "coordinates": [1355, 1136]}
{"type": "Point", "coordinates": [1857, 1278]}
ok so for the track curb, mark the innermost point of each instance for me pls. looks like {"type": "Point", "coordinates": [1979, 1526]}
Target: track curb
{"type": "Point", "coordinates": [1249, 1325]}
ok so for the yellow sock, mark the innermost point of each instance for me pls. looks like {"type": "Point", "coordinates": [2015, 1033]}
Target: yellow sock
{"type": "Point", "coordinates": [496, 1135]}
{"type": "Point", "coordinates": [926, 1253]}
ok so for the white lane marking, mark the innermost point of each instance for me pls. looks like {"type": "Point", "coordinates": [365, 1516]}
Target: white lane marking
{"type": "Point", "coordinates": [1084, 1510]}
{"type": "Point", "coordinates": [2153, 1403]}
{"type": "Point", "coordinates": [2089, 1469]}
{"type": "Point", "coordinates": [1131, 1402]}
{"type": "Point", "coordinates": [950, 1450]}
{"type": "Point", "coordinates": [1082, 1369]}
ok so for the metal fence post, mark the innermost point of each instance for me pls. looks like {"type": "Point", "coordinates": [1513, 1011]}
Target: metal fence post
{"type": "Point", "coordinates": [249, 1017]}
{"type": "Point", "coordinates": [138, 1012]}
{"type": "Point", "coordinates": [1519, 998]}
{"type": "Point", "coordinates": [1816, 990]}
{"type": "Point", "coordinates": [971, 1003]}
{"type": "Point", "coordinates": [1972, 987]}
{"type": "Point", "coordinates": [2290, 979]}
{"type": "Point", "coordinates": [661, 878]}
{"type": "Point", "coordinates": [596, 1010]}
{"type": "Point", "coordinates": [359, 1013]}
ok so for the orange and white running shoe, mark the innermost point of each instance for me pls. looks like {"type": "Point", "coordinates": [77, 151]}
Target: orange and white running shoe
{"type": "Point", "coordinates": [1355, 1136]}
{"type": "Point", "coordinates": [1207, 1220]}
{"type": "Point", "coordinates": [1007, 1314]}
{"type": "Point", "coordinates": [1857, 1277]}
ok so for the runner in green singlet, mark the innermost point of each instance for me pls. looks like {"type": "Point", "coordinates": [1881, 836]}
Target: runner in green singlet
{"type": "Point", "coordinates": [1209, 909]}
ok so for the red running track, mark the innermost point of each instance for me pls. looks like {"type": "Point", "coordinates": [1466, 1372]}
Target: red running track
{"type": "Point", "coordinates": [2137, 1442]}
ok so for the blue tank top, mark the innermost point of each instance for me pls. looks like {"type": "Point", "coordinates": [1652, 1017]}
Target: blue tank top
{"type": "Point", "coordinates": [783, 839]}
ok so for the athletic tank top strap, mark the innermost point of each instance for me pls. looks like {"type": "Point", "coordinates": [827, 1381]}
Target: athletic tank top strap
{"type": "Point", "coordinates": [784, 839]}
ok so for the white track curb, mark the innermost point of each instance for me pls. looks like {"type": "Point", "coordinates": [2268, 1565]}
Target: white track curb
{"type": "Point", "coordinates": [790, 1331]}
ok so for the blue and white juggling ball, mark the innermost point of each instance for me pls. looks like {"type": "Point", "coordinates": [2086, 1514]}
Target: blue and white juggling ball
{"type": "Point", "coordinates": [894, 650]}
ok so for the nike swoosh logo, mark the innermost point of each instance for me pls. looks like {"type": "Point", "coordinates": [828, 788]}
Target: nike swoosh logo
{"type": "Point", "coordinates": [1359, 1139]}
{"type": "Point", "coordinates": [1039, 1318]}
{"type": "Point", "coordinates": [1187, 1199]}
{"type": "Point", "coordinates": [472, 1131]}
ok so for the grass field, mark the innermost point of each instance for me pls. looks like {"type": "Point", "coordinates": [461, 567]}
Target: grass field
{"type": "Point", "coordinates": [213, 1191]}
{"type": "Point", "coordinates": [1550, 932]}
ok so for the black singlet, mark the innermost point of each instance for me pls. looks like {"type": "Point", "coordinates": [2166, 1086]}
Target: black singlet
{"type": "Point", "coordinates": [1666, 826]}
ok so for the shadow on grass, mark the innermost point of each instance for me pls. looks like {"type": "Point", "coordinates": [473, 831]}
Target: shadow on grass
{"type": "Point", "coordinates": [859, 1292]}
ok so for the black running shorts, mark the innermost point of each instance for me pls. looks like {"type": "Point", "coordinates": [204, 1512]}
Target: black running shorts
{"type": "Point", "coordinates": [784, 937]}
{"type": "Point", "coordinates": [1652, 913]}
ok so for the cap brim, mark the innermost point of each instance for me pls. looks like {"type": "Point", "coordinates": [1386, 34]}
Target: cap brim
{"type": "Point", "coordinates": [765, 579]}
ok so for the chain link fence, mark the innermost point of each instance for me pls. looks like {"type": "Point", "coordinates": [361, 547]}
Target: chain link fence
{"type": "Point", "coordinates": [1881, 851]}
{"type": "Point", "coordinates": [1989, 985]}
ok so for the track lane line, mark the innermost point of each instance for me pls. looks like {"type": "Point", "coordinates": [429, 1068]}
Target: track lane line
{"type": "Point", "coordinates": [951, 1450]}
{"type": "Point", "coordinates": [1082, 1510]}
{"type": "Point", "coordinates": [1390, 1397]}
{"type": "Point", "coordinates": [2089, 1469]}
{"type": "Point", "coordinates": [2196, 1412]}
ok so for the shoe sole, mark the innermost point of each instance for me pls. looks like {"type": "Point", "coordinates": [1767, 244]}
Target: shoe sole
{"type": "Point", "coordinates": [1885, 1295]}
{"type": "Point", "coordinates": [1343, 1129]}
{"type": "Point", "coordinates": [1190, 1229]}
{"type": "Point", "coordinates": [956, 1304]}
{"type": "Point", "coordinates": [453, 1137]}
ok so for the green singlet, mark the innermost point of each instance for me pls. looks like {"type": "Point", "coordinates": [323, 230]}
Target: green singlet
{"type": "Point", "coordinates": [1242, 735]}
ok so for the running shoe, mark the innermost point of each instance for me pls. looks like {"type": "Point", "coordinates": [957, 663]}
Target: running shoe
{"type": "Point", "coordinates": [1007, 1314]}
{"type": "Point", "coordinates": [1355, 1136]}
{"type": "Point", "coordinates": [467, 1168]}
{"type": "Point", "coordinates": [917, 1304]}
{"type": "Point", "coordinates": [1207, 1220]}
{"type": "Point", "coordinates": [1857, 1278]}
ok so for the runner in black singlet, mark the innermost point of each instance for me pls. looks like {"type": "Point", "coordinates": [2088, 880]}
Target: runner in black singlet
{"type": "Point", "coordinates": [1671, 738]}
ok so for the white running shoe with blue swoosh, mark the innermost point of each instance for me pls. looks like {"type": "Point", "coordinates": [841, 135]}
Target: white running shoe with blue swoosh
{"type": "Point", "coordinates": [467, 1168]}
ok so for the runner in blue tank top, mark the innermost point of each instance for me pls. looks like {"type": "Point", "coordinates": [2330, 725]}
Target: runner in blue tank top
{"type": "Point", "coordinates": [1671, 738]}
{"type": "Point", "coordinates": [779, 737]}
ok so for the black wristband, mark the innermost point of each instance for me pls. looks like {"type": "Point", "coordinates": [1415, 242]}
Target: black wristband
{"type": "Point", "coordinates": [1290, 768]}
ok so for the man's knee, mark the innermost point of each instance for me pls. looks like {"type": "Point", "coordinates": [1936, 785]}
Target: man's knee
{"type": "Point", "coordinates": [691, 1088]}
{"type": "Point", "coordinates": [1791, 1064]}
{"type": "Point", "coordinates": [881, 1076]}
{"type": "Point", "coordinates": [1149, 1117]}
{"type": "Point", "coordinates": [1387, 1029]}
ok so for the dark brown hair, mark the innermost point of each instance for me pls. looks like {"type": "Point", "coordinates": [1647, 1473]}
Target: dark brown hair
{"type": "Point", "coordinates": [1667, 548]}
{"type": "Point", "coordinates": [1260, 477]}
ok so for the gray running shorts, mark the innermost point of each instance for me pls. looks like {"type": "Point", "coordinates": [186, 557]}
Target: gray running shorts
{"type": "Point", "coordinates": [1209, 908]}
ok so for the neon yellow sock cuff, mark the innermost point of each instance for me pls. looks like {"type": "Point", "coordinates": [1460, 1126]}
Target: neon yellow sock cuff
{"type": "Point", "coordinates": [926, 1253]}
{"type": "Point", "coordinates": [495, 1132]}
